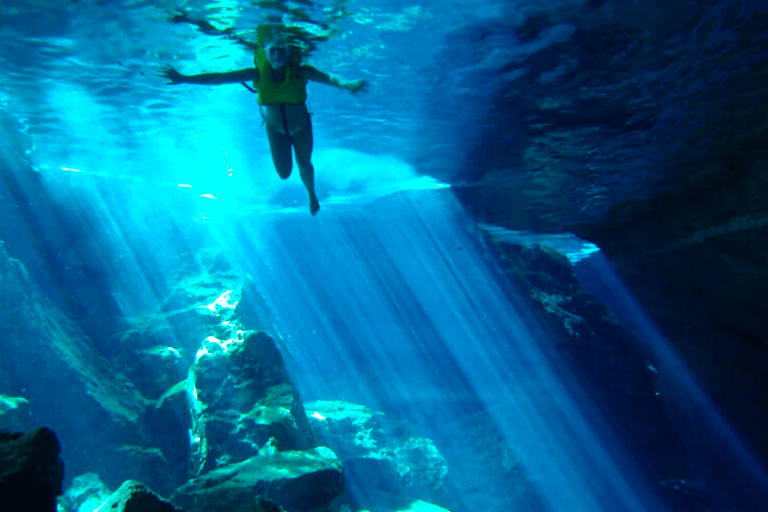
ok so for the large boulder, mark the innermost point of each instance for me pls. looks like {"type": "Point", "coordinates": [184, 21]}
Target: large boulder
{"type": "Point", "coordinates": [379, 469]}
{"type": "Point", "coordinates": [212, 300]}
{"type": "Point", "coordinates": [296, 480]}
{"type": "Point", "coordinates": [86, 494]}
{"type": "Point", "coordinates": [352, 431]}
{"type": "Point", "coordinates": [208, 297]}
{"type": "Point", "coordinates": [243, 402]}
{"type": "Point", "coordinates": [31, 471]}
{"type": "Point", "coordinates": [421, 465]}
{"type": "Point", "coordinates": [134, 496]}
{"type": "Point", "coordinates": [415, 506]}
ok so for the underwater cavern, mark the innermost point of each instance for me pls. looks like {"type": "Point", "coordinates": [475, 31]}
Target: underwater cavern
{"type": "Point", "coordinates": [385, 256]}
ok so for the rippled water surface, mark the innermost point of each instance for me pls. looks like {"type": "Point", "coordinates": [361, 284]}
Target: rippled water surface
{"type": "Point", "coordinates": [81, 78]}
{"type": "Point", "coordinates": [586, 103]}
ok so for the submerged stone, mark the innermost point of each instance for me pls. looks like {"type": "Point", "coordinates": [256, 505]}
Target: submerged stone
{"type": "Point", "coordinates": [134, 496]}
{"type": "Point", "coordinates": [244, 403]}
{"type": "Point", "coordinates": [86, 494]}
{"type": "Point", "coordinates": [295, 480]}
{"type": "Point", "coordinates": [380, 468]}
{"type": "Point", "coordinates": [31, 472]}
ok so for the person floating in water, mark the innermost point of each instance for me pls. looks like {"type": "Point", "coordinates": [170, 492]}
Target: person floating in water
{"type": "Point", "coordinates": [280, 81]}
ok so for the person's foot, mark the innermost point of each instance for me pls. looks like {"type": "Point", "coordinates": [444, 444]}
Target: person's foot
{"type": "Point", "coordinates": [314, 204]}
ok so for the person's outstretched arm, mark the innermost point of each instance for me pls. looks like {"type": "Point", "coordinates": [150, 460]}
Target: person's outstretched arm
{"type": "Point", "coordinates": [321, 77]}
{"type": "Point", "coordinates": [208, 29]}
{"type": "Point", "coordinates": [228, 77]}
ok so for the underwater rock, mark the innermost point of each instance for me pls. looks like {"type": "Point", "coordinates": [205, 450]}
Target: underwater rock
{"type": "Point", "coordinates": [379, 469]}
{"type": "Point", "coordinates": [420, 464]}
{"type": "Point", "coordinates": [31, 471]}
{"type": "Point", "coordinates": [86, 494]}
{"type": "Point", "coordinates": [608, 358]}
{"type": "Point", "coordinates": [415, 506]}
{"type": "Point", "coordinates": [423, 506]}
{"type": "Point", "coordinates": [354, 434]}
{"type": "Point", "coordinates": [350, 430]}
{"type": "Point", "coordinates": [135, 496]}
{"type": "Point", "coordinates": [209, 297]}
{"type": "Point", "coordinates": [296, 480]}
{"type": "Point", "coordinates": [243, 402]}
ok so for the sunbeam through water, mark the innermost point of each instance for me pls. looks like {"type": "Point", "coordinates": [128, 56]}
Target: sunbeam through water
{"type": "Point", "coordinates": [383, 256]}
{"type": "Point", "coordinates": [399, 307]}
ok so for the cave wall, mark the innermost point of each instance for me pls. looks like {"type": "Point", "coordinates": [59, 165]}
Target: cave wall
{"type": "Point", "coordinates": [60, 324]}
{"type": "Point", "coordinates": [696, 258]}
{"type": "Point", "coordinates": [642, 129]}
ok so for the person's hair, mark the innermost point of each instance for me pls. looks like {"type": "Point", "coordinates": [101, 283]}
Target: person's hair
{"type": "Point", "coordinates": [266, 34]}
{"type": "Point", "coordinates": [297, 38]}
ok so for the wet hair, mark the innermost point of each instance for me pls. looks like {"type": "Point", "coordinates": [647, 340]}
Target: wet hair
{"type": "Point", "coordinates": [298, 39]}
{"type": "Point", "coordinates": [266, 34]}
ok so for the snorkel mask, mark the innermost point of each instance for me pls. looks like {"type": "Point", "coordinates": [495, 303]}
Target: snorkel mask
{"type": "Point", "coordinates": [276, 47]}
{"type": "Point", "coordinates": [278, 54]}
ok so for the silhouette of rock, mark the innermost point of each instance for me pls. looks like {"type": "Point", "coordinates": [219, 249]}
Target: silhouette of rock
{"type": "Point", "coordinates": [135, 496]}
{"type": "Point", "coordinates": [31, 472]}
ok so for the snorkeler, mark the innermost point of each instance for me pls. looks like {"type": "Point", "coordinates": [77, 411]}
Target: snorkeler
{"type": "Point", "coordinates": [280, 81]}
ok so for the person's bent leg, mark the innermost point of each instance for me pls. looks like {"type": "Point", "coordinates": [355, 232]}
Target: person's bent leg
{"type": "Point", "coordinates": [280, 147]}
{"type": "Point", "coordinates": [302, 145]}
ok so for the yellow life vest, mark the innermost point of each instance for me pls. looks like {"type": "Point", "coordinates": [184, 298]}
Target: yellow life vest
{"type": "Point", "coordinates": [291, 90]}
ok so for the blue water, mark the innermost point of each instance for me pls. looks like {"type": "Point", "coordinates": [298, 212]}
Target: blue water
{"type": "Point", "coordinates": [393, 296]}
{"type": "Point", "coordinates": [402, 302]}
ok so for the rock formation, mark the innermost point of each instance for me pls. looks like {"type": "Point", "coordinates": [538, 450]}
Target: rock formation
{"type": "Point", "coordinates": [31, 471]}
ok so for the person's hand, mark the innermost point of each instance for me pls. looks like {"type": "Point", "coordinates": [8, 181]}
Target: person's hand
{"type": "Point", "coordinates": [170, 73]}
{"type": "Point", "coordinates": [355, 86]}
